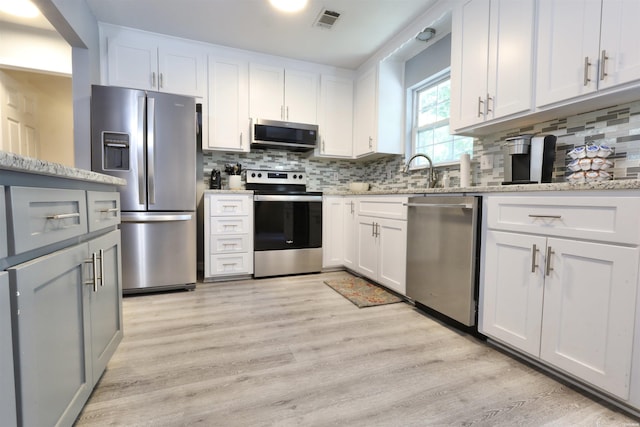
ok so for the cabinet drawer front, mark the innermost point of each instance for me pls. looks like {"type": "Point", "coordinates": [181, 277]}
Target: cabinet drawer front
{"type": "Point", "coordinates": [610, 219]}
{"type": "Point", "coordinates": [231, 264]}
{"type": "Point", "coordinates": [230, 225]}
{"type": "Point", "coordinates": [383, 207]}
{"type": "Point", "coordinates": [3, 225]}
{"type": "Point", "coordinates": [230, 244]}
{"type": "Point", "coordinates": [230, 205]}
{"type": "Point", "coordinates": [41, 217]}
{"type": "Point", "coordinates": [103, 209]}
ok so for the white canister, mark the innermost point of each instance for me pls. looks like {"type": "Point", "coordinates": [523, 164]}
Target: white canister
{"type": "Point", "coordinates": [235, 183]}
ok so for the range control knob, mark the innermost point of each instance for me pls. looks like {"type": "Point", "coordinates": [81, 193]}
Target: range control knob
{"type": "Point", "coordinates": [300, 176]}
{"type": "Point", "coordinates": [253, 175]}
{"type": "Point", "coordinates": [295, 176]}
{"type": "Point", "coordinates": [259, 175]}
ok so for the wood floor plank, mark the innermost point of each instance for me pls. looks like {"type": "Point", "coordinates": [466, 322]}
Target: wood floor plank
{"type": "Point", "coordinates": [293, 352]}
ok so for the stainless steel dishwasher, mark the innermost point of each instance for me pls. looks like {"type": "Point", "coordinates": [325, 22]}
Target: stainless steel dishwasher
{"type": "Point", "coordinates": [442, 255]}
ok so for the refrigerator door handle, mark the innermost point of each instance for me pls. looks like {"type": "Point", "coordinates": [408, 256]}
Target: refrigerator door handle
{"type": "Point", "coordinates": [142, 217]}
{"type": "Point", "coordinates": [141, 186]}
{"type": "Point", "coordinates": [151, 125]}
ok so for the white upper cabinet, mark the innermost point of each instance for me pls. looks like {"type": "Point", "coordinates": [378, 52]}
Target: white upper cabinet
{"type": "Point", "coordinates": [228, 105]}
{"type": "Point", "coordinates": [279, 94]}
{"type": "Point", "coordinates": [491, 60]}
{"type": "Point", "coordinates": [379, 110]}
{"type": "Point", "coordinates": [142, 61]}
{"type": "Point", "coordinates": [619, 48]}
{"type": "Point", "coordinates": [568, 39]}
{"type": "Point", "coordinates": [585, 46]}
{"type": "Point", "coordinates": [335, 117]}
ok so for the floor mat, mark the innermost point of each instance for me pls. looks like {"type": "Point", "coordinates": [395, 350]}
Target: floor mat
{"type": "Point", "coordinates": [361, 292]}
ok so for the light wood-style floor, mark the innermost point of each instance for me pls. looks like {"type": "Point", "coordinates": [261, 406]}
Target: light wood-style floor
{"type": "Point", "coordinates": [292, 352]}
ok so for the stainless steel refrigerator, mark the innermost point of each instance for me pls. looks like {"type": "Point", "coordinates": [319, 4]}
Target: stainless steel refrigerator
{"type": "Point", "coordinates": [149, 139]}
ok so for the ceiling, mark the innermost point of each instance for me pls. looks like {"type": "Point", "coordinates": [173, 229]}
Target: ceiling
{"type": "Point", "coordinates": [363, 27]}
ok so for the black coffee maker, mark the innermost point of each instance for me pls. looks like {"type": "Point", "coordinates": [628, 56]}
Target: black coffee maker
{"type": "Point", "coordinates": [529, 159]}
{"type": "Point", "coordinates": [215, 182]}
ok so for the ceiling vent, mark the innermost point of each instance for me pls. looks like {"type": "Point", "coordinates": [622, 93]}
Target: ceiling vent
{"type": "Point", "coordinates": [327, 18]}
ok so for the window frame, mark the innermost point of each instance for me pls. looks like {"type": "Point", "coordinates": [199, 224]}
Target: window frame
{"type": "Point", "coordinates": [412, 118]}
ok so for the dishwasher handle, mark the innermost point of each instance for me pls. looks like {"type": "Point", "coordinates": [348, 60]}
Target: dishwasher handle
{"type": "Point", "coordinates": [439, 205]}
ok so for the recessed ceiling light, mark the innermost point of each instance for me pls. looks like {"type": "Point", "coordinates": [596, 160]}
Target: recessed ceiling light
{"type": "Point", "coordinates": [23, 8]}
{"type": "Point", "coordinates": [289, 5]}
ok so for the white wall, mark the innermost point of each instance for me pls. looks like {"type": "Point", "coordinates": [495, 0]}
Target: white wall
{"type": "Point", "coordinates": [34, 49]}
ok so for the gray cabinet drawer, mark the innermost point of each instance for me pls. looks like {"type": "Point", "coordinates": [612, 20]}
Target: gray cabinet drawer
{"type": "Point", "coordinates": [40, 217]}
{"type": "Point", "coordinates": [103, 209]}
{"type": "Point", "coordinates": [3, 225]}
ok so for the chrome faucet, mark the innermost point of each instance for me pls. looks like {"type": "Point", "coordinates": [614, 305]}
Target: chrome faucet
{"type": "Point", "coordinates": [431, 178]}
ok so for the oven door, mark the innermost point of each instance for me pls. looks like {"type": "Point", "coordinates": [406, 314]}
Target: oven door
{"type": "Point", "coordinates": [287, 222]}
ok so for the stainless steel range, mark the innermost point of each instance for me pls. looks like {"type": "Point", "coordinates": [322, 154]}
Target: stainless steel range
{"type": "Point", "coordinates": [287, 223]}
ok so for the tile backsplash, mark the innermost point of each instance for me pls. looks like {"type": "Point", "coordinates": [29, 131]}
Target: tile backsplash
{"type": "Point", "coordinates": [618, 127]}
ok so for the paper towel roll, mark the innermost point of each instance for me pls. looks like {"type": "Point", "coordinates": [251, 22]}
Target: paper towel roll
{"type": "Point", "coordinates": [465, 170]}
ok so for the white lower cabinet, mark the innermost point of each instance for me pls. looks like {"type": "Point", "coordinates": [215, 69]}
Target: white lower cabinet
{"type": "Point", "coordinates": [381, 242]}
{"type": "Point", "coordinates": [571, 303]}
{"type": "Point", "coordinates": [332, 235]}
{"type": "Point", "coordinates": [228, 229]}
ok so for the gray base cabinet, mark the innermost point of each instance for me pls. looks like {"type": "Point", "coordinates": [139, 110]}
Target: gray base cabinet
{"type": "Point", "coordinates": [7, 389]}
{"type": "Point", "coordinates": [68, 322]}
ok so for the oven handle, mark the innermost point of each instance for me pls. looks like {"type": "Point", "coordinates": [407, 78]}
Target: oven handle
{"type": "Point", "coordinates": [285, 198]}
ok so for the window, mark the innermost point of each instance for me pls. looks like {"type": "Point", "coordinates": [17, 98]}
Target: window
{"type": "Point", "coordinates": [430, 127]}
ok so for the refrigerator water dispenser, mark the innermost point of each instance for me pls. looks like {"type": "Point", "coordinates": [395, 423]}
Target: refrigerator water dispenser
{"type": "Point", "coordinates": [115, 151]}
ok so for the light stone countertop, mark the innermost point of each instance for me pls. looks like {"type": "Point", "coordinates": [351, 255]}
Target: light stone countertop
{"type": "Point", "coordinates": [630, 184]}
{"type": "Point", "coordinates": [18, 163]}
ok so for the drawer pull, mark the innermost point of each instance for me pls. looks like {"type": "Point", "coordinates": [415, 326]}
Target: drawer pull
{"type": "Point", "coordinates": [549, 253]}
{"type": "Point", "coordinates": [534, 253]}
{"type": "Point", "coordinates": [64, 216]}
{"type": "Point", "coordinates": [545, 216]}
{"type": "Point", "coordinates": [110, 210]}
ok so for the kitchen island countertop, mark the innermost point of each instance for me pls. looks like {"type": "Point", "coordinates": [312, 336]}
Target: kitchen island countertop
{"type": "Point", "coordinates": [17, 163]}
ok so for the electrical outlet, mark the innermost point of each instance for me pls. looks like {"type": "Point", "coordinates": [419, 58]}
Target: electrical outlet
{"type": "Point", "coordinates": [486, 161]}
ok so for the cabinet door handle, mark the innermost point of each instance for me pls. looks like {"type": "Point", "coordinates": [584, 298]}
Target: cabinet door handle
{"type": "Point", "coordinates": [603, 61]}
{"type": "Point", "coordinates": [370, 142]}
{"type": "Point", "coordinates": [282, 112]}
{"type": "Point", "coordinates": [549, 268]}
{"type": "Point", "coordinates": [63, 216]}
{"type": "Point", "coordinates": [287, 118]}
{"type": "Point", "coordinates": [153, 79]}
{"type": "Point", "coordinates": [545, 216]}
{"type": "Point", "coordinates": [94, 261]}
{"type": "Point", "coordinates": [587, 64]}
{"type": "Point", "coordinates": [161, 80]}
{"type": "Point", "coordinates": [480, 106]}
{"type": "Point", "coordinates": [323, 146]}
{"type": "Point", "coordinates": [240, 139]}
{"type": "Point", "coordinates": [489, 110]}
{"type": "Point", "coordinates": [377, 229]}
{"type": "Point", "coordinates": [373, 229]}
{"type": "Point", "coordinates": [101, 257]}
{"type": "Point", "coordinates": [534, 253]}
{"type": "Point", "coordinates": [351, 203]}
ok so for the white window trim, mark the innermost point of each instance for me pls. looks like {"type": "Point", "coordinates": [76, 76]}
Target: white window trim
{"type": "Point", "coordinates": [411, 108]}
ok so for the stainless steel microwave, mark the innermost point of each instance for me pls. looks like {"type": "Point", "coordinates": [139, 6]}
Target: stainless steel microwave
{"type": "Point", "coordinates": [283, 135]}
